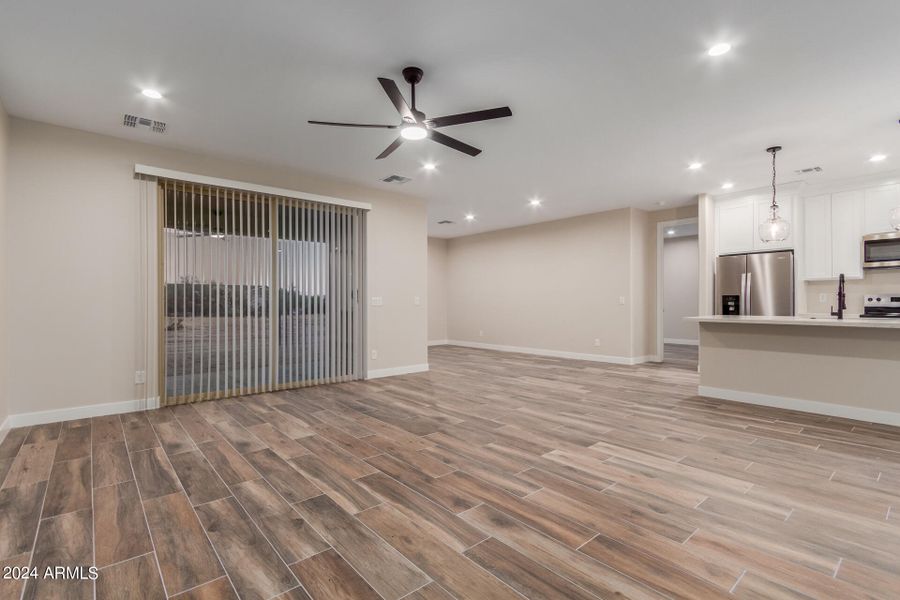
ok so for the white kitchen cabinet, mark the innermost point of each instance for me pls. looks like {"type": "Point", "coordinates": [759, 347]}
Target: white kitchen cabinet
{"type": "Point", "coordinates": [847, 220]}
{"type": "Point", "coordinates": [880, 201]}
{"type": "Point", "coordinates": [738, 220]}
{"type": "Point", "coordinates": [817, 238]}
{"type": "Point", "coordinates": [832, 235]}
{"type": "Point", "coordinates": [734, 225]}
{"type": "Point", "coordinates": [785, 209]}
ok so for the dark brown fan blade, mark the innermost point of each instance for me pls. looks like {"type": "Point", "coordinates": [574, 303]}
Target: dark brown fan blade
{"type": "Point", "coordinates": [353, 124]}
{"type": "Point", "coordinates": [394, 145]}
{"type": "Point", "coordinates": [454, 143]}
{"type": "Point", "coordinates": [393, 92]}
{"type": "Point", "coordinates": [471, 117]}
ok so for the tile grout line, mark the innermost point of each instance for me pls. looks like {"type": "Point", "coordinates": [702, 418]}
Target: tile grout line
{"type": "Point", "coordinates": [94, 512]}
{"type": "Point", "coordinates": [837, 567]}
{"type": "Point", "coordinates": [36, 531]}
{"type": "Point", "coordinates": [741, 576]}
{"type": "Point", "coordinates": [137, 488]}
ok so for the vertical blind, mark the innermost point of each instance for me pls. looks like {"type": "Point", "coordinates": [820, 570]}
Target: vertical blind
{"type": "Point", "coordinates": [260, 292]}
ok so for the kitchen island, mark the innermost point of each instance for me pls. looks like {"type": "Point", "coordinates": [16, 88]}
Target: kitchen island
{"type": "Point", "coordinates": [847, 368]}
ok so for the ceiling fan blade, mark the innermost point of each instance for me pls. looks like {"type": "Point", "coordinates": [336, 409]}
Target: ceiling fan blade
{"type": "Point", "coordinates": [471, 117]}
{"type": "Point", "coordinates": [353, 125]}
{"type": "Point", "coordinates": [454, 143]}
{"type": "Point", "coordinates": [394, 145]}
{"type": "Point", "coordinates": [393, 92]}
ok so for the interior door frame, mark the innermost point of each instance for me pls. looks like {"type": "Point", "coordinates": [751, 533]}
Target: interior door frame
{"type": "Point", "coordinates": [661, 226]}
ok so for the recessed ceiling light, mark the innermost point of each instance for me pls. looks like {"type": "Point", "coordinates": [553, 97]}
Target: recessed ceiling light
{"type": "Point", "coordinates": [670, 232]}
{"type": "Point", "coordinates": [727, 185]}
{"type": "Point", "coordinates": [156, 95]}
{"type": "Point", "coordinates": [470, 217]}
{"type": "Point", "coordinates": [695, 166]}
{"type": "Point", "coordinates": [413, 132]}
{"type": "Point", "coordinates": [877, 157]}
{"type": "Point", "coordinates": [719, 49]}
{"type": "Point", "coordinates": [535, 202]}
{"type": "Point", "coordinates": [429, 166]}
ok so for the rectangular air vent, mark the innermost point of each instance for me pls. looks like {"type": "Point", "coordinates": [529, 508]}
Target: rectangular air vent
{"type": "Point", "coordinates": [135, 121]}
{"type": "Point", "coordinates": [808, 170]}
{"type": "Point", "coordinates": [398, 179]}
{"type": "Point", "coordinates": [445, 222]}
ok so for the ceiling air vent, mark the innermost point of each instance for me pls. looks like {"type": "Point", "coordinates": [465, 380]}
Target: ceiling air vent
{"type": "Point", "coordinates": [398, 179]}
{"type": "Point", "coordinates": [135, 122]}
{"type": "Point", "coordinates": [808, 170]}
{"type": "Point", "coordinates": [445, 222]}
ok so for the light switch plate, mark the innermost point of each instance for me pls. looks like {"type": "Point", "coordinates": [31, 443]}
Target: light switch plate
{"type": "Point", "coordinates": [377, 301]}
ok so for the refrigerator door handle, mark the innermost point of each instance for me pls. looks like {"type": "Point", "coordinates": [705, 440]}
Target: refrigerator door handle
{"type": "Point", "coordinates": [743, 299]}
{"type": "Point", "coordinates": [749, 292]}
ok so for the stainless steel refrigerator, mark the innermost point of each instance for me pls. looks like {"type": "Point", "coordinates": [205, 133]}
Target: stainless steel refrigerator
{"type": "Point", "coordinates": [760, 284]}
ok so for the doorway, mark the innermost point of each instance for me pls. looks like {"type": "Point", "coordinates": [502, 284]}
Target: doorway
{"type": "Point", "coordinates": [677, 292]}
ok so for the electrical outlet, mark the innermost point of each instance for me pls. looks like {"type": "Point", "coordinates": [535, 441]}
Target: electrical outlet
{"type": "Point", "coordinates": [140, 377]}
{"type": "Point", "coordinates": [596, 341]}
{"type": "Point", "coordinates": [622, 300]}
{"type": "Point", "coordinates": [374, 354]}
{"type": "Point", "coordinates": [377, 301]}
{"type": "Point", "coordinates": [480, 333]}
{"type": "Point", "coordinates": [417, 301]}
{"type": "Point", "coordinates": [823, 298]}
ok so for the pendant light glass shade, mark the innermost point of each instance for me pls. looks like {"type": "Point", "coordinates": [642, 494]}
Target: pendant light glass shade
{"type": "Point", "coordinates": [895, 218]}
{"type": "Point", "coordinates": [774, 229]}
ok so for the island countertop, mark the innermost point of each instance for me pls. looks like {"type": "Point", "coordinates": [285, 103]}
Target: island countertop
{"type": "Point", "coordinates": [809, 320]}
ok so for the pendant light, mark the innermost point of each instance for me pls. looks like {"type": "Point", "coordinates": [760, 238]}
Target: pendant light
{"type": "Point", "coordinates": [895, 218]}
{"type": "Point", "coordinates": [774, 229]}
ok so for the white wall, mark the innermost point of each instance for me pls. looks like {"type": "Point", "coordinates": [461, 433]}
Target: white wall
{"type": "Point", "coordinates": [680, 288]}
{"type": "Point", "coordinates": [4, 287]}
{"type": "Point", "coordinates": [437, 290]}
{"type": "Point", "coordinates": [73, 220]}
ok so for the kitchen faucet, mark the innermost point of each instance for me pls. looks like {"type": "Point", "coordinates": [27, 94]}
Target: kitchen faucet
{"type": "Point", "coordinates": [842, 300]}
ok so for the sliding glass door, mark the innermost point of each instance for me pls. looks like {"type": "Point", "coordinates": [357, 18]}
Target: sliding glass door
{"type": "Point", "coordinates": [259, 292]}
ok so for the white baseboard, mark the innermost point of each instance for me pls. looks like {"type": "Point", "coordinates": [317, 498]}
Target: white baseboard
{"type": "Point", "coordinates": [438, 342]}
{"type": "Point", "coordinates": [616, 360]}
{"type": "Point", "coordinates": [681, 342]}
{"type": "Point", "coordinates": [78, 412]}
{"type": "Point", "coordinates": [856, 413]}
{"type": "Point", "coordinates": [390, 372]}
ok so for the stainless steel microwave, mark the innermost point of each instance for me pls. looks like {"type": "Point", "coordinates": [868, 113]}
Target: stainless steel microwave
{"type": "Point", "coordinates": [881, 250]}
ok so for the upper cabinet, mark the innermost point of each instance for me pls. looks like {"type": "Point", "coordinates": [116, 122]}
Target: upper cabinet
{"type": "Point", "coordinates": [734, 225]}
{"type": "Point", "coordinates": [832, 235]}
{"type": "Point", "coordinates": [880, 201]}
{"type": "Point", "coordinates": [738, 220]}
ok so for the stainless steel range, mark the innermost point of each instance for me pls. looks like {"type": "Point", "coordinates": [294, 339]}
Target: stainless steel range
{"type": "Point", "coordinates": [885, 306]}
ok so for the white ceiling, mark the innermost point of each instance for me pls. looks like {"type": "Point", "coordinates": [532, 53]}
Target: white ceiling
{"type": "Point", "coordinates": [611, 99]}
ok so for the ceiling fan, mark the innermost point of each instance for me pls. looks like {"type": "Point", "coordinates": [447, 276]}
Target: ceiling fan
{"type": "Point", "coordinates": [414, 124]}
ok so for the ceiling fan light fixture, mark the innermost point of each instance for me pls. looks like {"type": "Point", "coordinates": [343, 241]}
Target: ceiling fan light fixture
{"type": "Point", "coordinates": [413, 132]}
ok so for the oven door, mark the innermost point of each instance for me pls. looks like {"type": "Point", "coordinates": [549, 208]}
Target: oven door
{"type": "Point", "coordinates": [881, 250]}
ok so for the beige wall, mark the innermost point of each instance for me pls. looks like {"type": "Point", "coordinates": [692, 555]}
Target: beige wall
{"type": "Point", "coordinates": [680, 272]}
{"type": "Point", "coordinates": [437, 290]}
{"type": "Point", "coordinates": [557, 285]}
{"type": "Point", "coordinates": [875, 282]}
{"type": "Point", "coordinates": [73, 220]}
{"type": "Point", "coordinates": [4, 287]}
{"type": "Point", "coordinates": [550, 286]}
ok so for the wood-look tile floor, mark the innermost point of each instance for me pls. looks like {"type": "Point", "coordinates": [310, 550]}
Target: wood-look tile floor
{"type": "Point", "coordinates": [493, 476]}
